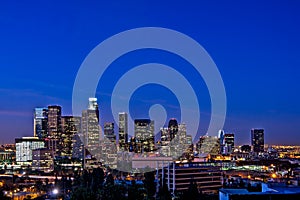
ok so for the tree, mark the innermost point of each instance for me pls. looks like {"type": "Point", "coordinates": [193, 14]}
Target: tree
{"type": "Point", "coordinates": [164, 193]}
{"type": "Point", "coordinates": [149, 183]}
{"type": "Point", "coordinates": [192, 192]}
{"type": "Point", "coordinates": [97, 178]}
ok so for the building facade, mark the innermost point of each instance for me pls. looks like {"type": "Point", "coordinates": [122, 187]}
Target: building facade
{"type": "Point", "coordinates": [40, 122]}
{"type": "Point", "coordinates": [257, 140]}
{"type": "Point", "coordinates": [54, 128]}
{"type": "Point", "coordinates": [24, 148]}
{"type": "Point", "coordinates": [179, 176]}
{"type": "Point", "coordinates": [42, 160]}
{"type": "Point", "coordinates": [70, 126]}
{"type": "Point", "coordinates": [90, 128]}
{"type": "Point", "coordinates": [123, 131]}
{"type": "Point", "coordinates": [144, 135]}
{"type": "Point", "coordinates": [208, 145]}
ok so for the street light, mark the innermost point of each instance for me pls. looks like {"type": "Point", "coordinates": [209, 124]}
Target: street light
{"type": "Point", "coordinates": [55, 191]}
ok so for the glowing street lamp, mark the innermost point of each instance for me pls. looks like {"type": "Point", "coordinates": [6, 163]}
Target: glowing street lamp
{"type": "Point", "coordinates": [55, 191]}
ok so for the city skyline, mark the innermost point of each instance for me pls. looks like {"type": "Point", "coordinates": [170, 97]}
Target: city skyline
{"type": "Point", "coordinates": [108, 130]}
{"type": "Point", "coordinates": [255, 46]}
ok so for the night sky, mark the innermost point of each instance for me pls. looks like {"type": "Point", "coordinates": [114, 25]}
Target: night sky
{"type": "Point", "coordinates": [255, 45]}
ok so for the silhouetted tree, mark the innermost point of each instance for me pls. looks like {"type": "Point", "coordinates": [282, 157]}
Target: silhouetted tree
{"type": "Point", "coordinates": [97, 178]}
{"type": "Point", "coordinates": [192, 192]}
{"type": "Point", "coordinates": [149, 183]}
{"type": "Point", "coordinates": [164, 193]}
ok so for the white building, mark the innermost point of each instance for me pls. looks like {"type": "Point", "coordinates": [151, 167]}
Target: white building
{"type": "Point", "coordinates": [24, 147]}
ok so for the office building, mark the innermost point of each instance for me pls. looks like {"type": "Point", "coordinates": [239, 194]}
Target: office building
{"type": "Point", "coordinates": [123, 131]}
{"type": "Point", "coordinates": [54, 121]}
{"type": "Point", "coordinates": [42, 160]}
{"type": "Point", "coordinates": [40, 121]}
{"type": "Point", "coordinates": [165, 142]}
{"type": "Point", "coordinates": [221, 135]}
{"type": "Point", "coordinates": [189, 144]}
{"type": "Point", "coordinates": [257, 140]}
{"type": "Point", "coordinates": [24, 148]}
{"type": "Point", "coordinates": [178, 177]}
{"type": "Point", "coordinates": [144, 135]}
{"type": "Point", "coordinates": [272, 191]}
{"type": "Point", "coordinates": [90, 128]}
{"type": "Point", "coordinates": [54, 128]}
{"type": "Point", "coordinates": [77, 150]}
{"type": "Point", "coordinates": [109, 146]}
{"type": "Point", "coordinates": [173, 128]}
{"type": "Point", "coordinates": [70, 126]}
{"type": "Point", "coordinates": [226, 142]}
{"type": "Point", "coordinates": [109, 132]}
{"type": "Point", "coordinates": [132, 146]}
{"type": "Point", "coordinates": [178, 140]}
{"type": "Point", "coordinates": [208, 145]}
{"type": "Point", "coordinates": [174, 140]}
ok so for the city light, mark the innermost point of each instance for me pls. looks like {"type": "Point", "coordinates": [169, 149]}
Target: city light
{"type": "Point", "coordinates": [55, 191]}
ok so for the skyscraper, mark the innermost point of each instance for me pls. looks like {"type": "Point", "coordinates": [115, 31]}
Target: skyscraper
{"type": "Point", "coordinates": [165, 141]}
{"type": "Point", "coordinates": [90, 127]}
{"type": "Point", "coordinates": [226, 142]}
{"type": "Point", "coordinates": [173, 128]}
{"type": "Point", "coordinates": [109, 131]}
{"type": "Point", "coordinates": [70, 127]}
{"type": "Point", "coordinates": [54, 121]}
{"type": "Point", "coordinates": [108, 145]}
{"type": "Point", "coordinates": [40, 121]}
{"type": "Point", "coordinates": [257, 140]}
{"type": "Point", "coordinates": [123, 131]}
{"type": "Point", "coordinates": [54, 128]}
{"type": "Point", "coordinates": [144, 135]}
{"type": "Point", "coordinates": [179, 142]}
{"type": "Point", "coordinates": [208, 145]}
{"type": "Point", "coordinates": [77, 146]}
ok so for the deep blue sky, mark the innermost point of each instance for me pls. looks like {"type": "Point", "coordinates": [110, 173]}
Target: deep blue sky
{"type": "Point", "coordinates": [255, 45]}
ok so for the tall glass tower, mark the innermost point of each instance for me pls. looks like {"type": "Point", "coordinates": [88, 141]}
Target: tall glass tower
{"type": "Point", "coordinates": [70, 127]}
{"type": "Point", "coordinates": [54, 128]}
{"type": "Point", "coordinates": [173, 128]}
{"type": "Point", "coordinates": [40, 121]}
{"type": "Point", "coordinates": [257, 140]}
{"type": "Point", "coordinates": [54, 121]}
{"type": "Point", "coordinates": [90, 127]}
{"type": "Point", "coordinates": [123, 131]}
{"type": "Point", "coordinates": [144, 135]}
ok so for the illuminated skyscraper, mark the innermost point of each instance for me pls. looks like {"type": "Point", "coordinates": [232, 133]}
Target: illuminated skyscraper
{"type": "Point", "coordinates": [54, 128]}
{"type": "Point", "coordinates": [173, 128]}
{"type": "Point", "coordinates": [70, 127]}
{"type": "Point", "coordinates": [109, 131]}
{"type": "Point", "coordinates": [90, 127]}
{"type": "Point", "coordinates": [54, 121]}
{"type": "Point", "coordinates": [179, 142]}
{"type": "Point", "coordinates": [165, 141]}
{"type": "Point", "coordinates": [208, 145]}
{"type": "Point", "coordinates": [144, 135]}
{"type": "Point", "coordinates": [123, 131]}
{"type": "Point", "coordinates": [226, 142]}
{"type": "Point", "coordinates": [108, 145]}
{"type": "Point", "coordinates": [40, 122]}
{"type": "Point", "coordinates": [257, 140]}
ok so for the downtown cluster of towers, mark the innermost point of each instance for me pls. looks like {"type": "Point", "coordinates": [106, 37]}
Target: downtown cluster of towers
{"type": "Point", "coordinates": [66, 136]}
